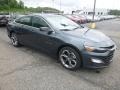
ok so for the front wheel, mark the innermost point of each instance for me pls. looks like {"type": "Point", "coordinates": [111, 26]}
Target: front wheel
{"type": "Point", "coordinates": [70, 58]}
{"type": "Point", "coordinates": [14, 40]}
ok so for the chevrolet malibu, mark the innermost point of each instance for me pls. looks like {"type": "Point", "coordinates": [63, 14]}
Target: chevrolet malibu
{"type": "Point", "coordinates": [74, 45]}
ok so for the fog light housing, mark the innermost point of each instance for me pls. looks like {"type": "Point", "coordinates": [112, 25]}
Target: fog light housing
{"type": "Point", "coordinates": [97, 61]}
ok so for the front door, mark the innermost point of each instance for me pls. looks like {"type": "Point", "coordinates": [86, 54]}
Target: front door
{"type": "Point", "coordinates": [42, 38]}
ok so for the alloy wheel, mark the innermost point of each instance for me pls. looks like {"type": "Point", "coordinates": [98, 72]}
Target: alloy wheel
{"type": "Point", "coordinates": [68, 59]}
{"type": "Point", "coordinates": [14, 39]}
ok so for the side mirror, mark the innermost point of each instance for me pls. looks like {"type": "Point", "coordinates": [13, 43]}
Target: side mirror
{"type": "Point", "coordinates": [46, 29]}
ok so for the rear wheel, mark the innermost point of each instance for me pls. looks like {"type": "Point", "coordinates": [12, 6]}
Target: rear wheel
{"type": "Point", "coordinates": [14, 40]}
{"type": "Point", "coordinates": [70, 58]}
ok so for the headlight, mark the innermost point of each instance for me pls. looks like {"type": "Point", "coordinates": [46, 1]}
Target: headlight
{"type": "Point", "coordinates": [90, 49]}
{"type": "Point", "coordinates": [89, 46]}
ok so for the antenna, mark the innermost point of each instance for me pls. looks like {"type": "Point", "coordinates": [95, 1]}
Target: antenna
{"type": "Point", "coordinates": [94, 9]}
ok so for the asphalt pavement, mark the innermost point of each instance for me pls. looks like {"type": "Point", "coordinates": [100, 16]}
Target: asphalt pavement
{"type": "Point", "coordinates": [25, 68]}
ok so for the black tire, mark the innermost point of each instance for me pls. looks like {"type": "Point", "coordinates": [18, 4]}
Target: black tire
{"type": "Point", "coordinates": [74, 59]}
{"type": "Point", "coordinates": [14, 40]}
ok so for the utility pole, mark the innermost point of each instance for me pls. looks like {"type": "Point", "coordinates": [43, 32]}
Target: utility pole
{"type": "Point", "coordinates": [93, 24]}
{"type": "Point", "coordinates": [94, 9]}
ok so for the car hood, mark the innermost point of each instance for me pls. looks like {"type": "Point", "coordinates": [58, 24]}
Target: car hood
{"type": "Point", "coordinates": [96, 36]}
{"type": "Point", "coordinates": [88, 34]}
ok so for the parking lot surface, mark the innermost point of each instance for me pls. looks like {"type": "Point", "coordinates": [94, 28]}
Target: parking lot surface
{"type": "Point", "coordinates": [27, 69]}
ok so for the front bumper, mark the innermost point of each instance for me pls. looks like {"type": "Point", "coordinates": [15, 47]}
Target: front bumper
{"type": "Point", "coordinates": [97, 60]}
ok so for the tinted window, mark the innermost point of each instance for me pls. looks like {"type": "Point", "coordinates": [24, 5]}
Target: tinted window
{"type": "Point", "coordinates": [24, 20]}
{"type": "Point", "coordinates": [38, 22]}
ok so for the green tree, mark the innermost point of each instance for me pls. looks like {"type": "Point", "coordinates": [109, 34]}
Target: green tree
{"type": "Point", "coordinates": [21, 4]}
{"type": "Point", "coordinates": [114, 12]}
{"type": "Point", "coordinates": [14, 5]}
{"type": "Point", "coordinates": [11, 5]}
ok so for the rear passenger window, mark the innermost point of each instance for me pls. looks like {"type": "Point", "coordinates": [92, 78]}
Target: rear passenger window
{"type": "Point", "coordinates": [38, 22]}
{"type": "Point", "coordinates": [24, 20]}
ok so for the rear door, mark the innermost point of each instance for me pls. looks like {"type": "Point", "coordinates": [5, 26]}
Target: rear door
{"type": "Point", "coordinates": [24, 30]}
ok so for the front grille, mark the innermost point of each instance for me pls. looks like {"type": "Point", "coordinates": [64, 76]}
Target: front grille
{"type": "Point", "coordinates": [104, 49]}
{"type": "Point", "coordinates": [110, 47]}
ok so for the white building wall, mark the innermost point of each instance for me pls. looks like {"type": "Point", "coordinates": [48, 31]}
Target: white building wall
{"type": "Point", "coordinates": [97, 11]}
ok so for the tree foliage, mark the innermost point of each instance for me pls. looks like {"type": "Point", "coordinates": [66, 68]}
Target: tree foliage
{"type": "Point", "coordinates": [114, 12]}
{"type": "Point", "coordinates": [42, 9]}
{"type": "Point", "coordinates": [14, 5]}
{"type": "Point", "coordinates": [10, 5]}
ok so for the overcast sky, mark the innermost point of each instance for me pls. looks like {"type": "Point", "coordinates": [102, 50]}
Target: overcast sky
{"type": "Point", "coordinates": [69, 5]}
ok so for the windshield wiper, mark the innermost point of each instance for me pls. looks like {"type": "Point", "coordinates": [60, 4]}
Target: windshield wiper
{"type": "Point", "coordinates": [64, 25]}
{"type": "Point", "coordinates": [65, 29]}
{"type": "Point", "coordinates": [76, 28]}
{"type": "Point", "coordinates": [87, 30]}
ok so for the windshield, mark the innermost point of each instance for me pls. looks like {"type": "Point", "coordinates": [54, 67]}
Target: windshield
{"type": "Point", "coordinates": [62, 23]}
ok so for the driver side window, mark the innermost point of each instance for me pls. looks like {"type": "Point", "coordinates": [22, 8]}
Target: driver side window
{"type": "Point", "coordinates": [38, 22]}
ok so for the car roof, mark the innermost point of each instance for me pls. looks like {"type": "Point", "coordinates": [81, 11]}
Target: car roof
{"type": "Point", "coordinates": [45, 15]}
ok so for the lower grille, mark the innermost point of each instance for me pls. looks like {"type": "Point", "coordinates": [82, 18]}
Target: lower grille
{"type": "Point", "coordinates": [108, 58]}
{"type": "Point", "coordinates": [110, 47]}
